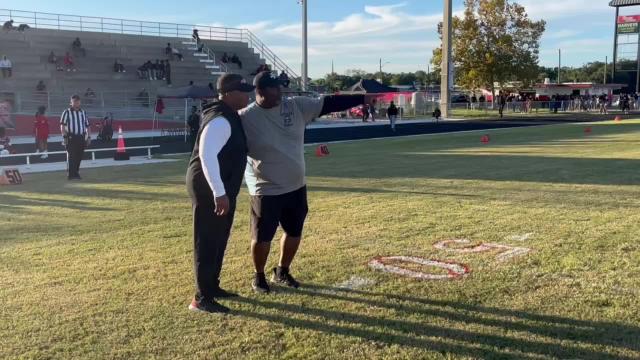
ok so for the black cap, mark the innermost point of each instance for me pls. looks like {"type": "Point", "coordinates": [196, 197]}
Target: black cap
{"type": "Point", "coordinates": [267, 79]}
{"type": "Point", "coordinates": [233, 82]}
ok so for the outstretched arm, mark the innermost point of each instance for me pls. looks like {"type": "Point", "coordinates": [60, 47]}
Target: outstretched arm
{"type": "Point", "coordinates": [337, 103]}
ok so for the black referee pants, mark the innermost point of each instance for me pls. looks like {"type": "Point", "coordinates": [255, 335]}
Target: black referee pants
{"type": "Point", "coordinates": [210, 237]}
{"type": "Point", "coordinates": [75, 151]}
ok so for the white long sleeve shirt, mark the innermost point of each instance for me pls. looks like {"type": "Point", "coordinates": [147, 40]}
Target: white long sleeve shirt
{"type": "Point", "coordinates": [5, 64]}
{"type": "Point", "coordinates": [213, 138]}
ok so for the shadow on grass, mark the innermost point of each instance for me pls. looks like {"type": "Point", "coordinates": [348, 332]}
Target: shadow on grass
{"type": "Point", "coordinates": [394, 331]}
{"type": "Point", "coordinates": [14, 203]}
{"type": "Point", "coordinates": [564, 170]}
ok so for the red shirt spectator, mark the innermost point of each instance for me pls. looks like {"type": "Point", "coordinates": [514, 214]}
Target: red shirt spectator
{"type": "Point", "coordinates": [68, 60]}
{"type": "Point", "coordinates": [41, 127]}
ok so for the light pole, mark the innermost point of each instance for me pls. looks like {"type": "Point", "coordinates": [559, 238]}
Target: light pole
{"type": "Point", "coordinates": [305, 57]}
{"type": "Point", "coordinates": [446, 59]}
{"type": "Point", "coordinates": [381, 65]}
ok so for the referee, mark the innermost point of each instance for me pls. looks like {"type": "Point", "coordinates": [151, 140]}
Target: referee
{"type": "Point", "coordinates": [74, 126]}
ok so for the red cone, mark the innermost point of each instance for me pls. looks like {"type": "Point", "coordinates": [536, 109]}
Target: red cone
{"type": "Point", "coordinates": [485, 139]}
{"type": "Point", "coordinates": [121, 153]}
{"type": "Point", "coordinates": [322, 150]}
{"type": "Point", "coordinates": [587, 130]}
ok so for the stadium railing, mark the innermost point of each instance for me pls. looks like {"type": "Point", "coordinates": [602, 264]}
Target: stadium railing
{"type": "Point", "coordinates": [42, 20]}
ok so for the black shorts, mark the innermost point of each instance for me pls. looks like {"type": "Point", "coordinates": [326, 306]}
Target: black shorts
{"type": "Point", "coordinates": [287, 210]}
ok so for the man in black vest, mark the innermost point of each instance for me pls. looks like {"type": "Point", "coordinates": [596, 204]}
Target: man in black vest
{"type": "Point", "coordinates": [214, 178]}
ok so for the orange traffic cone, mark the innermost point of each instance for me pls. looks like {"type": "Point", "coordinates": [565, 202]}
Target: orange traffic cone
{"type": "Point", "coordinates": [322, 150]}
{"type": "Point", "coordinates": [618, 118]}
{"type": "Point", "coordinates": [121, 153]}
{"type": "Point", "coordinates": [485, 139]}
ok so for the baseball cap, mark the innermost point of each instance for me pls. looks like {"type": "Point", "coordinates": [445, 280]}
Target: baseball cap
{"type": "Point", "coordinates": [233, 82]}
{"type": "Point", "coordinates": [267, 79]}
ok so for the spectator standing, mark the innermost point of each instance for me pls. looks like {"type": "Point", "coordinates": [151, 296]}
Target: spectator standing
{"type": "Point", "coordinates": [169, 51]}
{"type": "Point", "coordinates": [474, 101]}
{"type": "Point", "coordinates": [365, 113]}
{"type": "Point", "coordinates": [392, 114]}
{"type": "Point", "coordinates": [372, 110]}
{"type": "Point", "coordinates": [225, 58]}
{"type": "Point", "coordinates": [502, 102]}
{"type": "Point", "coordinates": [74, 126]}
{"type": "Point", "coordinates": [7, 67]}
{"type": "Point", "coordinates": [41, 132]}
{"type": "Point", "coordinates": [194, 126]}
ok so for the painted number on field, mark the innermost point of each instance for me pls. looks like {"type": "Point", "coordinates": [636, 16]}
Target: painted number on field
{"type": "Point", "coordinates": [10, 177]}
{"type": "Point", "coordinates": [506, 251]}
{"type": "Point", "coordinates": [391, 264]}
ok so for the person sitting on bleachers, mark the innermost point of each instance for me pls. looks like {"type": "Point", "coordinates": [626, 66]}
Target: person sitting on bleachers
{"type": "Point", "coordinates": [6, 66]}
{"type": "Point", "coordinates": [8, 26]}
{"type": "Point", "coordinates": [77, 48]}
{"type": "Point", "coordinates": [69, 62]}
{"type": "Point", "coordinates": [41, 87]}
{"type": "Point", "coordinates": [23, 27]}
{"type": "Point", "coordinates": [225, 58]}
{"type": "Point", "coordinates": [118, 67]}
{"type": "Point", "coordinates": [261, 68]}
{"type": "Point", "coordinates": [52, 59]}
{"type": "Point", "coordinates": [236, 60]}
{"type": "Point", "coordinates": [284, 79]}
{"type": "Point", "coordinates": [106, 128]}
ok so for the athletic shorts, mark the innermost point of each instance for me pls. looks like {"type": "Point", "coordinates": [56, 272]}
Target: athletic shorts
{"type": "Point", "coordinates": [287, 210]}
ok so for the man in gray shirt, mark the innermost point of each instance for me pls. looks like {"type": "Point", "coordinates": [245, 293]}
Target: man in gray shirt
{"type": "Point", "coordinates": [275, 173]}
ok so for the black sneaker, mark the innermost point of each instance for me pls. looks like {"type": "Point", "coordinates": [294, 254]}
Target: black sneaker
{"type": "Point", "coordinates": [223, 294]}
{"type": "Point", "coordinates": [260, 284]}
{"type": "Point", "coordinates": [209, 306]}
{"type": "Point", "coordinates": [282, 276]}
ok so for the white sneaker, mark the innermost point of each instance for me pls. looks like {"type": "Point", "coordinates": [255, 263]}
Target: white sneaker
{"type": "Point", "coordinates": [37, 151]}
{"type": "Point", "coordinates": [44, 156]}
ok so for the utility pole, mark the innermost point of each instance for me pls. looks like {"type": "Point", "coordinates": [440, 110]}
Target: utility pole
{"type": "Point", "coordinates": [559, 64]}
{"type": "Point", "coordinates": [446, 59]}
{"type": "Point", "coordinates": [606, 60]}
{"type": "Point", "coordinates": [305, 57]}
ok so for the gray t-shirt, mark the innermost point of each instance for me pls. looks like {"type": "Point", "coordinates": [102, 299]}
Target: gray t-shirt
{"type": "Point", "coordinates": [275, 138]}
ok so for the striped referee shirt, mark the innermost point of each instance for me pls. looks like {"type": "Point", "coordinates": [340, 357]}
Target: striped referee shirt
{"type": "Point", "coordinates": [76, 122]}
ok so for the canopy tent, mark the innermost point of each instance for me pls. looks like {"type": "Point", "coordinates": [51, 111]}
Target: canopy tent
{"type": "Point", "coordinates": [186, 93]}
{"type": "Point", "coordinates": [370, 87]}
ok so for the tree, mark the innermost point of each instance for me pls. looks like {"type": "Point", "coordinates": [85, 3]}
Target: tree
{"type": "Point", "coordinates": [493, 42]}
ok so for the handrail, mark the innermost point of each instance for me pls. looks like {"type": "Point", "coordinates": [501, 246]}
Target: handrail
{"type": "Point", "coordinates": [42, 20]}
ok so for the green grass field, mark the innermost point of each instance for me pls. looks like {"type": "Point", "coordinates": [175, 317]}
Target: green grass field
{"type": "Point", "coordinates": [101, 269]}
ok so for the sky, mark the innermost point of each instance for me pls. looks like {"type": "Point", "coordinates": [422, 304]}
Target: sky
{"type": "Point", "coordinates": [355, 34]}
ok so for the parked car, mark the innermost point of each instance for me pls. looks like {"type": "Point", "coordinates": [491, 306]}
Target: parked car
{"type": "Point", "coordinates": [460, 98]}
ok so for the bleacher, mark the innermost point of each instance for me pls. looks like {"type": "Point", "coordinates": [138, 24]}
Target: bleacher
{"type": "Point", "coordinates": [105, 40]}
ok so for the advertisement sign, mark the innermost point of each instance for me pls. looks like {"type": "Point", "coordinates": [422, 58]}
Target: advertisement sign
{"type": "Point", "coordinates": [628, 28]}
{"type": "Point", "coordinates": [628, 19]}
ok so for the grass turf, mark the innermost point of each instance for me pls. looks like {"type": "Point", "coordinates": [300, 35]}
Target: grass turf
{"type": "Point", "coordinates": [102, 268]}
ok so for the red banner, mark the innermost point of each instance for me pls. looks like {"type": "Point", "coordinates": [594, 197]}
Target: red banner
{"type": "Point", "coordinates": [628, 19]}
